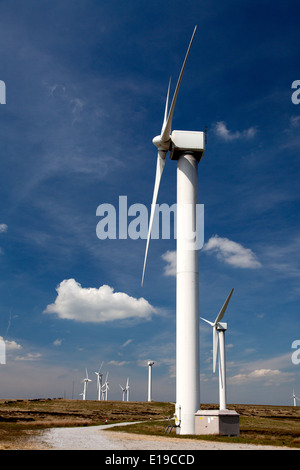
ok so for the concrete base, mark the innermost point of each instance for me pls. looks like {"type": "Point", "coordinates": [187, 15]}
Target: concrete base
{"type": "Point", "coordinates": [224, 422]}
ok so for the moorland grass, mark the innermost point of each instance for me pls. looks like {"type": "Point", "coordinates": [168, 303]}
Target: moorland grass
{"type": "Point", "coordinates": [22, 420]}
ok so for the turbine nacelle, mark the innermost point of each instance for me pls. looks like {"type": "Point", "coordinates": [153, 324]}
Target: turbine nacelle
{"type": "Point", "coordinates": [86, 379]}
{"type": "Point", "coordinates": [185, 142]}
{"type": "Point", "coordinates": [221, 326]}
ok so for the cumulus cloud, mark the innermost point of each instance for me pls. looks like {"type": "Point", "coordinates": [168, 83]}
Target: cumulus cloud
{"type": "Point", "coordinates": [231, 252]}
{"type": "Point", "coordinates": [74, 302]}
{"type": "Point", "coordinates": [170, 258]}
{"type": "Point", "coordinates": [3, 228]}
{"type": "Point", "coordinates": [268, 376]}
{"type": "Point", "coordinates": [228, 251]}
{"type": "Point", "coordinates": [221, 130]}
{"type": "Point", "coordinates": [10, 345]}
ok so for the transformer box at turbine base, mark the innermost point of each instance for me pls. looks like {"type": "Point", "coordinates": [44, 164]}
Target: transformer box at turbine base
{"type": "Point", "coordinates": [223, 422]}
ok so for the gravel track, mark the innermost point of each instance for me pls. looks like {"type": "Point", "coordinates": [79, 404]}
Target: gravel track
{"type": "Point", "coordinates": [96, 438]}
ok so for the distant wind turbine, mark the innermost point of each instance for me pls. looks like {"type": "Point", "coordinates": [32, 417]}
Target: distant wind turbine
{"type": "Point", "coordinates": [105, 388]}
{"type": "Point", "coordinates": [127, 389]}
{"type": "Point", "coordinates": [99, 381]}
{"type": "Point", "coordinates": [123, 392]}
{"type": "Point", "coordinates": [295, 398]}
{"type": "Point", "coordinates": [85, 381]}
{"type": "Point", "coordinates": [150, 364]}
{"type": "Point", "coordinates": [219, 344]}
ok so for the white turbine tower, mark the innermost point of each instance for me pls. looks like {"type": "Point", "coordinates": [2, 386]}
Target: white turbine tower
{"type": "Point", "coordinates": [150, 364]}
{"type": "Point", "coordinates": [85, 381]}
{"type": "Point", "coordinates": [187, 148]}
{"type": "Point", "coordinates": [99, 382]}
{"type": "Point", "coordinates": [127, 389]}
{"type": "Point", "coordinates": [219, 344]}
{"type": "Point", "coordinates": [105, 388]}
{"type": "Point", "coordinates": [295, 398]}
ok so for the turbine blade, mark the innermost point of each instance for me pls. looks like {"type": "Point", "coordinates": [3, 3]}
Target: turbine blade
{"type": "Point", "coordinates": [166, 132]}
{"type": "Point", "coordinates": [215, 347]}
{"type": "Point", "coordinates": [223, 309]}
{"type": "Point", "coordinates": [166, 107]}
{"type": "Point", "coordinates": [159, 170]}
{"type": "Point", "coordinates": [207, 321]}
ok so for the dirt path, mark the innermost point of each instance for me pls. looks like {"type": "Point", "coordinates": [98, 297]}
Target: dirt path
{"type": "Point", "coordinates": [96, 438]}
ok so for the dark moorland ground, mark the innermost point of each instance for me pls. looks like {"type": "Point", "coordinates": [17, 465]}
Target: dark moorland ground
{"type": "Point", "coordinates": [21, 420]}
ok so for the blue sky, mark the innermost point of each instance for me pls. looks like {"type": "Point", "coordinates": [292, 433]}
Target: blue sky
{"type": "Point", "coordinates": [85, 90]}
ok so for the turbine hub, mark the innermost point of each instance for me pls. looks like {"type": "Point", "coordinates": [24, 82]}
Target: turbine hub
{"type": "Point", "coordinates": [165, 146]}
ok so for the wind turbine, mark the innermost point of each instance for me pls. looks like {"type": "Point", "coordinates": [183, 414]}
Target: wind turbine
{"type": "Point", "coordinates": [85, 381]}
{"type": "Point", "coordinates": [124, 392]}
{"type": "Point", "coordinates": [150, 364]}
{"type": "Point", "coordinates": [295, 398]}
{"type": "Point", "coordinates": [99, 382]}
{"type": "Point", "coordinates": [219, 343]}
{"type": "Point", "coordinates": [187, 148]}
{"type": "Point", "coordinates": [105, 388]}
{"type": "Point", "coordinates": [127, 389]}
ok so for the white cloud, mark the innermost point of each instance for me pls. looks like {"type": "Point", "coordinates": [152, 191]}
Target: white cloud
{"type": "Point", "coordinates": [221, 130]}
{"type": "Point", "coordinates": [226, 250]}
{"type": "Point", "coordinates": [272, 371]}
{"type": "Point", "coordinates": [54, 88]}
{"type": "Point", "coordinates": [295, 121]}
{"type": "Point", "coordinates": [231, 252]}
{"type": "Point", "coordinates": [283, 258]}
{"type": "Point", "coordinates": [118, 363]}
{"type": "Point", "coordinates": [10, 345]}
{"type": "Point", "coordinates": [57, 342]}
{"type": "Point", "coordinates": [170, 258]}
{"type": "Point", "coordinates": [75, 302]}
{"type": "Point", "coordinates": [3, 228]}
{"type": "Point", "coordinates": [29, 357]}
{"type": "Point", "coordinates": [126, 343]}
{"type": "Point", "coordinates": [268, 376]}
{"type": "Point", "coordinates": [77, 105]}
